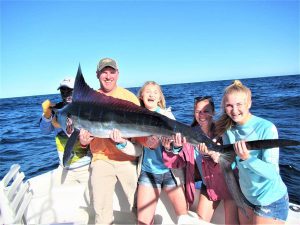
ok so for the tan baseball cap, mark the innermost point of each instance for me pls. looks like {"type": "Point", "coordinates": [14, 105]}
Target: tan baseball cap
{"type": "Point", "coordinates": [106, 62]}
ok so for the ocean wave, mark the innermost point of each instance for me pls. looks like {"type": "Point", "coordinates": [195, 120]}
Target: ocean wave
{"type": "Point", "coordinates": [290, 168]}
{"type": "Point", "coordinates": [7, 153]}
{"type": "Point", "coordinates": [20, 140]}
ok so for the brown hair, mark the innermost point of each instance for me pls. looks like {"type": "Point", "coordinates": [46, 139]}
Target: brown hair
{"type": "Point", "coordinates": [225, 122]}
{"type": "Point", "coordinates": [209, 99]}
{"type": "Point", "coordinates": [162, 101]}
{"type": "Point", "coordinates": [200, 99]}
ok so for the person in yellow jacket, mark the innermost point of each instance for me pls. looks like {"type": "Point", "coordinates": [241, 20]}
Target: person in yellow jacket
{"type": "Point", "coordinates": [109, 164]}
{"type": "Point", "coordinates": [48, 125]}
{"type": "Point", "coordinates": [78, 169]}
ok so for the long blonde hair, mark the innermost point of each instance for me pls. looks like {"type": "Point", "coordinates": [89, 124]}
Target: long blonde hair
{"type": "Point", "coordinates": [162, 101]}
{"type": "Point", "coordinates": [225, 122]}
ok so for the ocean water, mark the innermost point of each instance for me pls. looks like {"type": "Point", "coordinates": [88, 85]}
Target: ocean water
{"type": "Point", "coordinates": [274, 98]}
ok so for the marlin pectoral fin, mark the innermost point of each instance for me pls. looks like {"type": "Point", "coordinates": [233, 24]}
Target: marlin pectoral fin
{"type": "Point", "coordinates": [68, 153]}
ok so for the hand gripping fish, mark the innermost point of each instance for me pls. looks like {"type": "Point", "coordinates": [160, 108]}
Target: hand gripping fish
{"type": "Point", "coordinates": [99, 114]}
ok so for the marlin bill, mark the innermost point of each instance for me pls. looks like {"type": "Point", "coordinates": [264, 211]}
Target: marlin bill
{"type": "Point", "coordinates": [99, 114]}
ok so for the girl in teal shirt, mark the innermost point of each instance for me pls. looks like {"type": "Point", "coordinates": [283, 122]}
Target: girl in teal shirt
{"type": "Point", "coordinates": [154, 175]}
{"type": "Point", "coordinates": [259, 178]}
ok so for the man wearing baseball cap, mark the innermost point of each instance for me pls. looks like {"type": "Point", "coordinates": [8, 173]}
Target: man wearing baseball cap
{"type": "Point", "coordinates": [108, 74]}
{"type": "Point", "coordinates": [109, 163]}
{"type": "Point", "coordinates": [78, 169]}
{"type": "Point", "coordinates": [66, 89]}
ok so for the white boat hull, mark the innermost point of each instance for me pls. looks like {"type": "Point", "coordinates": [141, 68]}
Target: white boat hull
{"type": "Point", "coordinates": [52, 204]}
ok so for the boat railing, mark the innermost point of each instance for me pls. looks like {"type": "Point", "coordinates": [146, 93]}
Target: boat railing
{"type": "Point", "coordinates": [15, 196]}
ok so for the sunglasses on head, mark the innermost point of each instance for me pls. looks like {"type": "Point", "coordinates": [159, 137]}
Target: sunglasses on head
{"type": "Point", "coordinates": [201, 98]}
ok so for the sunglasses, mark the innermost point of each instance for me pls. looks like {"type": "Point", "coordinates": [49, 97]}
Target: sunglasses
{"type": "Point", "coordinates": [201, 98]}
{"type": "Point", "coordinates": [65, 89]}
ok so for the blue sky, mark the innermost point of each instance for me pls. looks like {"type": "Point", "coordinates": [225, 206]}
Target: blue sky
{"type": "Point", "coordinates": [166, 41]}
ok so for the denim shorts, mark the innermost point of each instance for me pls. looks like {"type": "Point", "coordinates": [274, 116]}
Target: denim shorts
{"type": "Point", "coordinates": [157, 180]}
{"type": "Point", "coordinates": [277, 210]}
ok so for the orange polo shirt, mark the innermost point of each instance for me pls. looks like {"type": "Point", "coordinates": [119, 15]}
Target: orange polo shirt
{"type": "Point", "coordinates": [105, 148]}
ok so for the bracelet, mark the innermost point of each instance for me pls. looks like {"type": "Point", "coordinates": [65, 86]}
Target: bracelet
{"type": "Point", "coordinates": [176, 150]}
{"type": "Point", "coordinates": [121, 146]}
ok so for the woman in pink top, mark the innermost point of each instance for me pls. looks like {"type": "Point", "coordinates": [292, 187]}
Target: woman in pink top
{"type": "Point", "coordinates": [214, 188]}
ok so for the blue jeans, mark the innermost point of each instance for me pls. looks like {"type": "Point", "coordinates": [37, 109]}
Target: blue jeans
{"type": "Point", "coordinates": [157, 180]}
{"type": "Point", "coordinates": [277, 210]}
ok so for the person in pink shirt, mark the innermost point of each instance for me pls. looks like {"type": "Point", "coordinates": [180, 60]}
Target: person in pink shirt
{"type": "Point", "coordinates": [213, 188]}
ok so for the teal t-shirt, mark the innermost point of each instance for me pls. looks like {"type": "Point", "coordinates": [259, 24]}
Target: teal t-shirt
{"type": "Point", "coordinates": [152, 159]}
{"type": "Point", "coordinates": [259, 176]}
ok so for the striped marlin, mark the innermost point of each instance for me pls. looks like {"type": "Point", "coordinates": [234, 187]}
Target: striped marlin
{"type": "Point", "coordinates": [99, 114]}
